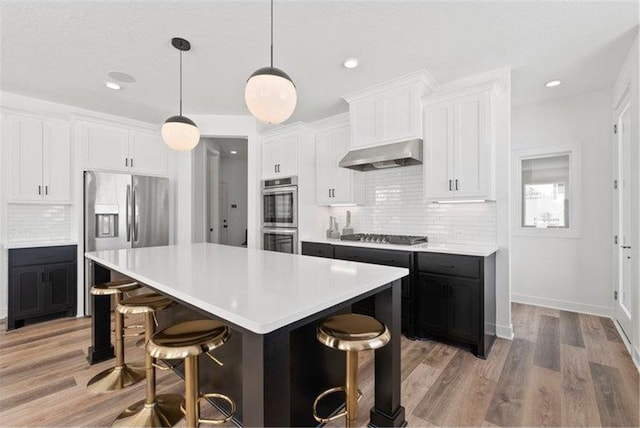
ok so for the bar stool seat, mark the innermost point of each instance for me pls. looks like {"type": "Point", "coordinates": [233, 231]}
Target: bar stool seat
{"type": "Point", "coordinates": [351, 333]}
{"type": "Point", "coordinates": [122, 375]}
{"type": "Point", "coordinates": [188, 340]}
{"type": "Point", "coordinates": [155, 410]}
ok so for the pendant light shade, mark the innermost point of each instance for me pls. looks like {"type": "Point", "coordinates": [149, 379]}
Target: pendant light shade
{"type": "Point", "coordinates": [270, 94]}
{"type": "Point", "coordinates": [179, 132]}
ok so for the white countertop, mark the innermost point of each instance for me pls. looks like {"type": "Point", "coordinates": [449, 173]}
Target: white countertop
{"type": "Point", "coordinates": [37, 244]}
{"type": "Point", "coordinates": [435, 247]}
{"type": "Point", "coordinates": [255, 289]}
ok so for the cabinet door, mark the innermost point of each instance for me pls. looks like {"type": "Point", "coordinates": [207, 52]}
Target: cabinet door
{"type": "Point", "coordinates": [287, 152]}
{"type": "Point", "coordinates": [105, 147]}
{"type": "Point", "coordinates": [472, 146]}
{"type": "Point", "coordinates": [463, 309]}
{"type": "Point", "coordinates": [148, 154]}
{"type": "Point", "coordinates": [59, 286]}
{"type": "Point", "coordinates": [431, 307]}
{"type": "Point", "coordinates": [438, 151]}
{"type": "Point", "coordinates": [26, 139]}
{"type": "Point", "coordinates": [345, 181]}
{"type": "Point", "coordinates": [269, 155]}
{"type": "Point", "coordinates": [365, 123]}
{"type": "Point", "coordinates": [26, 291]}
{"type": "Point", "coordinates": [325, 168]}
{"type": "Point", "coordinates": [57, 162]}
{"type": "Point", "coordinates": [398, 115]}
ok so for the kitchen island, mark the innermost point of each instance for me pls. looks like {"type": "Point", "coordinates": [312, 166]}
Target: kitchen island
{"type": "Point", "coordinates": [274, 367]}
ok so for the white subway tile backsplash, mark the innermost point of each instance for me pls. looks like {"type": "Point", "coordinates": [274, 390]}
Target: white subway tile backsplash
{"type": "Point", "coordinates": [394, 204]}
{"type": "Point", "coordinates": [38, 222]}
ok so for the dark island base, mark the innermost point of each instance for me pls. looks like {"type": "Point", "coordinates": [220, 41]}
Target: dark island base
{"type": "Point", "coordinates": [274, 378]}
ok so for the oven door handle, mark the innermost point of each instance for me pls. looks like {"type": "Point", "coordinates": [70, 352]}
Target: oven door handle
{"type": "Point", "coordinates": [281, 231]}
{"type": "Point", "coordinates": [280, 190]}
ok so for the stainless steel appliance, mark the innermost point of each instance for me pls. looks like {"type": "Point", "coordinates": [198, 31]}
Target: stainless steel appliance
{"type": "Point", "coordinates": [404, 153]}
{"type": "Point", "coordinates": [283, 240]}
{"type": "Point", "coordinates": [280, 215]}
{"type": "Point", "coordinates": [280, 202]}
{"type": "Point", "coordinates": [123, 211]}
{"type": "Point", "coordinates": [385, 239]}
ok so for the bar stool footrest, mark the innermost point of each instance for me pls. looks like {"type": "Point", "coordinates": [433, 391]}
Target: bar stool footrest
{"type": "Point", "coordinates": [219, 421]}
{"type": "Point", "coordinates": [326, 393]}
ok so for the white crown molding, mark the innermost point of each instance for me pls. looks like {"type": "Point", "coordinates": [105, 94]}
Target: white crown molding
{"type": "Point", "coordinates": [331, 122]}
{"type": "Point", "coordinates": [421, 76]}
{"type": "Point", "coordinates": [289, 127]}
{"type": "Point", "coordinates": [20, 104]}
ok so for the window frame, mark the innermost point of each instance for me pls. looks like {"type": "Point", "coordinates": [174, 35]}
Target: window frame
{"type": "Point", "coordinates": [574, 151]}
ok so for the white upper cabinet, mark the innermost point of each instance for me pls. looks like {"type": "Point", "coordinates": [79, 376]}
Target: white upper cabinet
{"type": "Point", "coordinates": [280, 155]}
{"type": "Point", "coordinates": [389, 112]}
{"type": "Point", "coordinates": [335, 185]}
{"type": "Point", "coordinates": [40, 160]}
{"type": "Point", "coordinates": [148, 153]}
{"type": "Point", "coordinates": [458, 147]}
{"type": "Point", "coordinates": [115, 148]}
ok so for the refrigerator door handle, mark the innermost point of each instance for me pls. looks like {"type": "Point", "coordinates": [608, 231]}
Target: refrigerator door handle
{"type": "Point", "coordinates": [134, 215]}
{"type": "Point", "coordinates": [128, 215]}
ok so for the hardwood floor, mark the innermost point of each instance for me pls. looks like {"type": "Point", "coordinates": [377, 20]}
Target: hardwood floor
{"type": "Point", "coordinates": [561, 369]}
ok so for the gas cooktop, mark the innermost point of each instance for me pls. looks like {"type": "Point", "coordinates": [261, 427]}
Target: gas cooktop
{"type": "Point", "coordinates": [385, 239]}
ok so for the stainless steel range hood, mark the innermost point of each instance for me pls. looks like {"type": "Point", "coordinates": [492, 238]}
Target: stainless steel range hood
{"type": "Point", "coordinates": [392, 155]}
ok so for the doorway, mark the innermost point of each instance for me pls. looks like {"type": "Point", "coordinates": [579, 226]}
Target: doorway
{"type": "Point", "coordinates": [623, 252]}
{"type": "Point", "coordinates": [227, 190]}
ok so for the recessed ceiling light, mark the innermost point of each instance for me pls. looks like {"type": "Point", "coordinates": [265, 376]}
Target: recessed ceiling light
{"type": "Point", "coordinates": [233, 152]}
{"type": "Point", "coordinates": [552, 83]}
{"type": "Point", "coordinates": [112, 85]}
{"type": "Point", "coordinates": [351, 63]}
{"type": "Point", "coordinates": [121, 77]}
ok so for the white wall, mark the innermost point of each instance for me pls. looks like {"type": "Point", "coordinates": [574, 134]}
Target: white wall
{"type": "Point", "coordinates": [234, 173]}
{"type": "Point", "coordinates": [569, 273]}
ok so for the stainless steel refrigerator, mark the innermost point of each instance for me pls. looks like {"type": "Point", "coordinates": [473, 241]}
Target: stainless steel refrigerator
{"type": "Point", "coordinates": [123, 211]}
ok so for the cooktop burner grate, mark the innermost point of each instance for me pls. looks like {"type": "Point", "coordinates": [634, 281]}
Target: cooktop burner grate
{"type": "Point", "coordinates": [385, 239]}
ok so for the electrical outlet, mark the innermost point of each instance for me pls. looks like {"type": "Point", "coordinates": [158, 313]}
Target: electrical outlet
{"type": "Point", "coordinates": [458, 233]}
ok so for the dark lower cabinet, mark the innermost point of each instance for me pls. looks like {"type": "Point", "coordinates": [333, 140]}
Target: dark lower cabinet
{"type": "Point", "coordinates": [446, 297]}
{"type": "Point", "coordinates": [456, 300]}
{"type": "Point", "coordinates": [42, 284]}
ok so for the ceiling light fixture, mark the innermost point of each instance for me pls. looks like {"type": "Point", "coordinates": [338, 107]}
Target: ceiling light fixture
{"type": "Point", "coordinates": [270, 94]}
{"type": "Point", "coordinates": [233, 152]}
{"type": "Point", "coordinates": [350, 63]}
{"type": "Point", "coordinates": [552, 83]}
{"type": "Point", "coordinates": [179, 132]}
{"type": "Point", "coordinates": [112, 85]}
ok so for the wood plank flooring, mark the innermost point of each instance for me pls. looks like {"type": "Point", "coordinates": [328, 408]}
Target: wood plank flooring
{"type": "Point", "coordinates": [561, 369]}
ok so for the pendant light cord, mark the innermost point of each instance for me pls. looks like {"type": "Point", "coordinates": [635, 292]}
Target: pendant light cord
{"type": "Point", "coordinates": [180, 82]}
{"type": "Point", "coordinates": [271, 33]}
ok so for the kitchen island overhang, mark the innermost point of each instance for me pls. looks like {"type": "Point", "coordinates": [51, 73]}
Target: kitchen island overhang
{"type": "Point", "coordinates": [273, 302]}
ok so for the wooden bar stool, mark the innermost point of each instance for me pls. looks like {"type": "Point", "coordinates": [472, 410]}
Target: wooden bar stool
{"type": "Point", "coordinates": [122, 375]}
{"type": "Point", "coordinates": [188, 340]}
{"type": "Point", "coordinates": [351, 333]}
{"type": "Point", "coordinates": [155, 410]}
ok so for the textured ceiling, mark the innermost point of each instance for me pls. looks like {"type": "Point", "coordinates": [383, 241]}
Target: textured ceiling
{"type": "Point", "coordinates": [62, 50]}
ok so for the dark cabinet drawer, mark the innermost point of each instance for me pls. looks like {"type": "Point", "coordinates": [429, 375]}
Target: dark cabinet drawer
{"type": "Point", "coordinates": [317, 250]}
{"type": "Point", "coordinates": [448, 264]}
{"type": "Point", "coordinates": [374, 256]}
{"type": "Point", "coordinates": [42, 255]}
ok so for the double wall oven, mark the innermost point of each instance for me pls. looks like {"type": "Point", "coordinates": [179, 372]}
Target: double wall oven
{"type": "Point", "coordinates": [280, 215]}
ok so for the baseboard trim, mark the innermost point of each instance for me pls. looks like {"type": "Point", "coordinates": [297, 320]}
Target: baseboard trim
{"type": "Point", "coordinates": [564, 305]}
{"type": "Point", "coordinates": [635, 355]}
{"type": "Point", "coordinates": [504, 331]}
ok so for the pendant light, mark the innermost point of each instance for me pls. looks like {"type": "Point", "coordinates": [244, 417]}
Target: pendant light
{"type": "Point", "coordinates": [179, 132]}
{"type": "Point", "coordinates": [270, 93]}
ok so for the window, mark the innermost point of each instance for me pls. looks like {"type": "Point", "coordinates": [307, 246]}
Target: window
{"type": "Point", "coordinates": [548, 191]}
{"type": "Point", "coordinates": [545, 192]}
